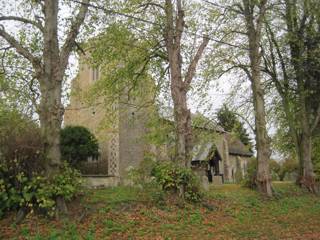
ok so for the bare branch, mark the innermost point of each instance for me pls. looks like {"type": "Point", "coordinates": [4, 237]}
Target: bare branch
{"type": "Point", "coordinates": [192, 67]}
{"type": "Point", "coordinates": [36, 62]}
{"type": "Point", "coordinates": [73, 33]}
{"type": "Point", "coordinates": [227, 7]}
{"type": "Point", "coordinates": [23, 20]}
{"type": "Point", "coordinates": [146, 5]}
{"type": "Point", "coordinates": [246, 120]}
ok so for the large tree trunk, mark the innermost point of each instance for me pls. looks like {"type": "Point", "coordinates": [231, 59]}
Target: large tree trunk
{"type": "Point", "coordinates": [262, 139]}
{"type": "Point", "coordinates": [179, 85]}
{"type": "Point", "coordinates": [51, 113]}
{"type": "Point", "coordinates": [51, 89]}
{"type": "Point", "coordinates": [298, 114]}
{"type": "Point", "coordinates": [297, 40]}
{"type": "Point", "coordinates": [307, 175]}
{"type": "Point", "coordinates": [49, 71]}
{"type": "Point", "coordinates": [183, 127]}
{"type": "Point", "coordinates": [263, 145]}
{"type": "Point", "coordinates": [253, 26]}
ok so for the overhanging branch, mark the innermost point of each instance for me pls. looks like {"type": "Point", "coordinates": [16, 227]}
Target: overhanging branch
{"type": "Point", "coordinates": [192, 67]}
{"type": "Point", "coordinates": [73, 33]}
{"type": "Point", "coordinates": [23, 20]}
{"type": "Point", "coordinates": [36, 62]}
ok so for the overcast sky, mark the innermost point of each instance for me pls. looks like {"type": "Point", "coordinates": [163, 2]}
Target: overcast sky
{"type": "Point", "coordinates": [219, 91]}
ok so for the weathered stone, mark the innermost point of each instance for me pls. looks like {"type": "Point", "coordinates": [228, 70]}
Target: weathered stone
{"type": "Point", "coordinates": [205, 183]}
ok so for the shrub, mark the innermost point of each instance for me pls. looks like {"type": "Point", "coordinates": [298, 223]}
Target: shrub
{"type": "Point", "coordinates": [22, 180]}
{"type": "Point", "coordinates": [143, 173]}
{"type": "Point", "coordinates": [36, 193]}
{"type": "Point", "coordinates": [174, 178]}
{"type": "Point", "coordinates": [77, 144]}
{"type": "Point", "coordinates": [20, 141]}
{"type": "Point", "coordinates": [142, 177]}
{"type": "Point", "coordinates": [249, 179]}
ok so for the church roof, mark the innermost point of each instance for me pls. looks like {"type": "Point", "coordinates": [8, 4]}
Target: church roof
{"type": "Point", "coordinates": [206, 123]}
{"type": "Point", "coordinates": [202, 152]}
{"type": "Point", "coordinates": [236, 147]}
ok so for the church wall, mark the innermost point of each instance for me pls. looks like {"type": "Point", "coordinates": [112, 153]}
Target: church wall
{"type": "Point", "coordinates": [122, 143]}
{"type": "Point", "coordinates": [237, 163]}
{"type": "Point", "coordinates": [77, 113]}
{"type": "Point", "coordinates": [132, 130]}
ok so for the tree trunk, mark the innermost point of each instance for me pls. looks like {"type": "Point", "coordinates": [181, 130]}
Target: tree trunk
{"type": "Point", "coordinates": [262, 140]}
{"type": "Point", "coordinates": [51, 88]}
{"type": "Point", "coordinates": [297, 48]}
{"type": "Point", "coordinates": [49, 71]}
{"type": "Point", "coordinates": [307, 179]}
{"type": "Point", "coordinates": [183, 127]}
{"type": "Point", "coordinates": [179, 85]}
{"type": "Point", "coordinates": [51, 112]}
{"type": "Point", "coordinates": [254, 26]}
{"type": "Point", "coordinates": [282, 176]}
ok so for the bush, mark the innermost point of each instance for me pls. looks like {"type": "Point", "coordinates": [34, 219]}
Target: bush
{"type": "Point", "coordinates": [20, 141]}
{"type": "Point", "coordinates": [142, 175]}
{"type": "Point", "coordinates": [77, 144]}
{"type": "Point", "coordinates": [174, 178]}
{"type": "Point", "coordinates": [36, 193]}
{"type": "Point", "coordinates": [159, 179]}
{"type": "Point", "coordinates": [22, 180]}
{"type": "Point", "coordinates": [249, 179]}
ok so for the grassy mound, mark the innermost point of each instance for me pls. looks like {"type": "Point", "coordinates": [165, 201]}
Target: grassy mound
{"type": "Point", "coordinates": [132, 213]}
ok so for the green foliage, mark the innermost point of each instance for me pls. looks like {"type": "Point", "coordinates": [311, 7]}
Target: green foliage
{"type": "Point", "coordinates": [19, 138]}
{"type": "Point", "coordinates": [20, 156]}
{"type": "Point", "coordinates": [282, 141]}
{"type": "Point", "coordinates": [275, 169]}
{"type": "Point", "coordinates": [230, 122]}
{"type": "Point", "coordinates": [36, 193]}
{"type": "Point", "coordinates": [142, 174]}
{"type": "Point", "coordinates": [158, 178]}
{"type": "Point", "coordinates": [172, 178]}
{"type": "Point", "coordinates": [160, 136]}
{"type": "Point", "coordinates": [122, 59]}
{"type": "Point", "coordinates": [249, 179]}
{"type": "Point", "coordinates": [77, 144]}
{"type": "Point", "coordinates": [289, 165]}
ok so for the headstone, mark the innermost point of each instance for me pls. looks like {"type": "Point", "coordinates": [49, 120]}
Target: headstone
{"type": "Point", "coordinates": [205, 183]}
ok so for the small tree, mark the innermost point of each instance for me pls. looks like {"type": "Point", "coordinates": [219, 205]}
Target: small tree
{"type": "Point", "coordinates": [290, 165]}
{"type": "Point", "coordinates": [77, 144]}
{"type": "Point", "coordinates": [229, 121]}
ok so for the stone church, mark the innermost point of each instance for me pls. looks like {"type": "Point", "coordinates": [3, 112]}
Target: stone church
{"type": "Point", "coordinates": [123, 144]}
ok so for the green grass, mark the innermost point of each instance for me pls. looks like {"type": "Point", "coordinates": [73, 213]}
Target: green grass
{"type": "Point", "coordinates": [239, 213]}
{"type": "Point", "coordinates": [113, 196]}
